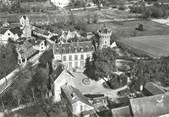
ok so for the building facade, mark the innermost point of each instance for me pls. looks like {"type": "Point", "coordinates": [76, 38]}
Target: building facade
{"type": "Point", "coordinates": [11, 33]}
{"type": "Point", "coordinates": [73, 55]}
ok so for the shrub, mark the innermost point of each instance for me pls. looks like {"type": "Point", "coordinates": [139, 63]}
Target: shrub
{"type": "Point", "coordinates": [122, 7]}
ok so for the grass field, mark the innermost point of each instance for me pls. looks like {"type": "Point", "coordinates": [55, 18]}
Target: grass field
{"type": "Point", "coordinates": [155, 46]}
{"type": "Point", "coordinates": [127, 28]}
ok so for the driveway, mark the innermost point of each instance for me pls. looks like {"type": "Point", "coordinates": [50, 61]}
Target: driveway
{"type": "Point", "coordinates": [94, 87]}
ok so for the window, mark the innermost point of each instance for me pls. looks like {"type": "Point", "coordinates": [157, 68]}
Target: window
{"type": "Point", "coordinates": [76, 64]}
{"type": "Point", "coordinates": [70, 57]}
{"type": "Point", "coordinates": [82, 64]}
{"type": "Point", "coordinates": [88, 55]}
{"type": "Point", "coordinates": [70, 64]}
{"type": "Point", "coordinates": [82, 56]}
{"type": "Point", "coordinates": [76, 57]}
{"type": "Point", "coordinates": [9, 34]}
{"type": "Point", "coordinates": [64, 58]}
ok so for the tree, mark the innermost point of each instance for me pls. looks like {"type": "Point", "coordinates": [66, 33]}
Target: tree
{"type": "Point", "coordinates": [8, 59]}
{"type": "Point", "coordinates": [46, 59]}
{"type": "Point", "coordinates": [98, 3]}
{"type": "Point", "coordinates": [103, 64]}
{"type": "Point", "coordinates": [39, 82]}
{"type": "Point", "coordinates": [90, 69]}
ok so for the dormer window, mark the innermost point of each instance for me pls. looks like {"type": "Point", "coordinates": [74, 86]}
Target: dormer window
{"type": "Point", "coordinates": [73, 95]}
{"type": "Point", "coordinates": [75, 49]}
{"type": "Point", "coordinates": [81, 49]}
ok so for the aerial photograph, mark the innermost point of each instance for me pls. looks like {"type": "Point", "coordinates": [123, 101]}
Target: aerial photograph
{"type": "Point", "coordinates": [84, 58]}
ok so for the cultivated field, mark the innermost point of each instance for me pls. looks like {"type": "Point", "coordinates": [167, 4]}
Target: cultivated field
{"type": "Point", "coordinates": [127, 28]}
{"type": "Point", "coordinates": [155, 46]}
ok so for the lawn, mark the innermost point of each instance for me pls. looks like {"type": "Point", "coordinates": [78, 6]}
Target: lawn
{"type": "Point", "coordinates": [155, 46]}
{"type": "Point", "coordinates": [127, 28]}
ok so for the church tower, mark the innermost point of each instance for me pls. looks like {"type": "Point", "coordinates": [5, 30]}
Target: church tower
{"type": "Point", "coordinates": [25, 26]}
{"type": "Point", "coordinates": [105, 35]}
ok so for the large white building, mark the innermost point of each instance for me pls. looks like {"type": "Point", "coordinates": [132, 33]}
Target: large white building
{"type": "Point", "coordinates": [72, 55]}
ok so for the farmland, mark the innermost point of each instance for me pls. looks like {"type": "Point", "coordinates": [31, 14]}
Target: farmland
{"type": "Point", "coordinates": [155, 46]}
{"type": "Point", "coordinates": [127, 28]}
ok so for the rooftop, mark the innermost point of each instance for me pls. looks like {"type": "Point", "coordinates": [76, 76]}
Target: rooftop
{"type": "Point", "coordinates": [74, 95]}
{"type": "Point", "coordinates": [74, 47]}
{"type": "Point", "coordinates": [151, 106]}
{"type": "Point", "coordinates": [121, 112]}
{"type": "Point", "coordinates": [26, 49]}
{"type": "Point", "coordinates": [153, 88]}
{"type": "Point", "coordinates": [14, 30]}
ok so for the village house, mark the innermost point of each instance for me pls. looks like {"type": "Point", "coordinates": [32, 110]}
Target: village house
{"type": "Point", "coordinates": [58, 78]}
{"type": "Point", "coordinates": [29, 48]}
{"type": "Point", "coordinates": [25, 51]}
{"type": "Point", "coordinates": [80, 105]}
{"type": "Point", "coordinates": [76, 104]}
{"type": "Point", "coordinates": [9, 33]}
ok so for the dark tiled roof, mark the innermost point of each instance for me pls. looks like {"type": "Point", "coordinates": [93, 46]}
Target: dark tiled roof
{"type": "Point", "coordinates": [121, 112]}
{"type": "Point", "coordinates": [151, 106]}
{"type": "Point", "coordinates": [16, 30]}
{"type": "Point", "coordinates": [41, 31]}
{"type": "Point", "coordinates": [153, 89]}
{"type": "Point", "coordinates": [3, 30]}
{"type": "Point", "coordinates": [26, 49]}
{"type": "Point", "coordinates": [74, 47]}
{"type": "Point", "coordinates": [69, 91]}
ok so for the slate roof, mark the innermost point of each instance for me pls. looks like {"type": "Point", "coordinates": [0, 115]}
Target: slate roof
{"type": "Point", "coordinates": [16, 30]}
{"type": "Point", "coordinates": [41, 31]}
{"type": "Point", "coordinates": [153, 88]}
{"type": "Point", "coordinates": [26, 49]}
{"type": "Point", "coordinates": [74, 47]}
{"type": "Point", "coordinates": [3, 30]}
{"type": "Point", "coordinates": [151, 106]}
{"type": "Point", "coordinates": [71, 91]}
{"type": "Point", "coordinates": [121, 112]}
